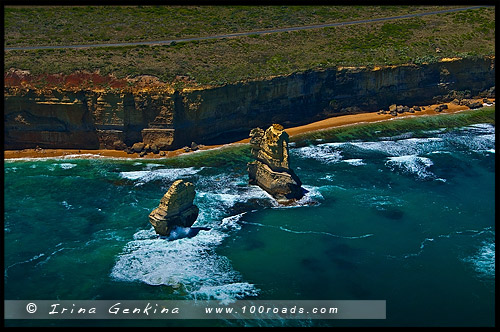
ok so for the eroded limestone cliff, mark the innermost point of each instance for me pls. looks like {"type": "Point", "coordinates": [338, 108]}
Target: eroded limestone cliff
{"type": "Point", "coordinates": [117, 116]}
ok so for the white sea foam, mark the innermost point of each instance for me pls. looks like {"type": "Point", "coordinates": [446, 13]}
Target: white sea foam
{"type": "Point", "coordinates": [49, 256]}
{"type": "Point", "coordinates": [66, 165]}
{"type": "Point", "coordinates": [80, 155]}
{"type": "Point", "coordinates": [68, 156]}
{"type": "Point", "coordinates": [484, 260]}
{"type": "Point", "coordinates": [152, 165]}
{"type": "Point", "coordinates": [226, 293]}
{"type": "Point", "coordinates": [328, 153]}
{"type": "Point", "coordinates": [313, 196]}
{"type": "Point", "coordinates": [10, 169]}
{"type": "Point", "coordinates": [434, 131]}
{"type": "Point", "coordinates": [355, 162]}
{"type": "Point", "coordinates": [413, 164]}
{"type": "Point", "coordinates": [282, 228]}
{"type": "Point", "coordinates": [402, 147]}
{"type": "Point", "coordinates": [163, 173]}
{"type": "Point", "coordinates": [191, 263]}
{"type": "Point", "coordinates": [22, 262]}
{"type": "Point", "coordinates": [475, 143]}
{"type": "Point", "coordinates": [215, 195]}
{"type": "Point", "coordinates": [486, 127]}
{"type": "Point", "coordinates": [66, 205]}
{"type": "Point", "coordinates": [476, 138]}
{"type": "Point", "coordinates": [381, 202]}
{"type": "Point", "coordinates": [328, 177]}
{"type": "Point", "coordinates": [231, 223]}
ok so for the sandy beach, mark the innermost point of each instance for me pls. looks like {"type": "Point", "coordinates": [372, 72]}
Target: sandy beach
{"type": "Point", "coordinates": [329, 123]}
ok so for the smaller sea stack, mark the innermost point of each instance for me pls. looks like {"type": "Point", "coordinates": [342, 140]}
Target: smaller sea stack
{"type": "Point", "coordinates": [176, 208]}
{"type": "Point", "coordinates": [271, 170]}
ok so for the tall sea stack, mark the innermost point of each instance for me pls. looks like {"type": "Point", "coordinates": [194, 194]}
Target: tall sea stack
{"type": "Point", "coordinates": [176, 208]}
{"type": "Point", "coordinates": [271, 170]}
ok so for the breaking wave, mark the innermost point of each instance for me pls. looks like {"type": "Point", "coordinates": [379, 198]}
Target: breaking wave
{"type": "Point", "coordinates": [170, 174]}
{"type": "Point", "coordinates": [190, 265]}
{"type": "Point", "coordinates": [412, 164]}
{"type": "Point", "coordinates": [402, 147]}
{"type": "Point", "coordinates": [483, 261]}
{"type": "Point", "coordinates": [328, 153]}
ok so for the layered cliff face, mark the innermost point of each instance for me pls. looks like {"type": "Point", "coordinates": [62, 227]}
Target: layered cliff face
{"type": "Point", "coordinates": [99, 119]}
{"type": "Point", "coordinates": [84, 119]}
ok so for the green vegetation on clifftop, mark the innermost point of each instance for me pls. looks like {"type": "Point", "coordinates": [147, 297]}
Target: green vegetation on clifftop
{"type": "Point", "coordinates": [469, 33]}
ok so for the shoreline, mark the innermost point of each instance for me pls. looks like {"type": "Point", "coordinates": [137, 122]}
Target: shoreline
{"type": "Point", "coordinates": [333, 122]}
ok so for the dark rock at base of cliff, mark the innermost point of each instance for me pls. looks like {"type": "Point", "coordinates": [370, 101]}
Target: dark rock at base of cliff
{"type": "Point", "coordinates": [475, 105]}
{"type": "Point", "coordinates": [471, 104]}
{"type": "Point", "coordinates": [491, 92]}
{"type": "Point", "coordinates": [194, 146]}
{"type": "Point", "coordinates": [138, 147]}
{"type": "Point", "coordinates": [176, 208]}
{"type": "Point", "coordinates": [441, 107]}
{"type": "Point", "coordinates": [154, 148]}
{"type": "Point", "coordinates": [119, 145]}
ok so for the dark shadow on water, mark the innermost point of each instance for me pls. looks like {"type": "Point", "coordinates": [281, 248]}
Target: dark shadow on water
{"type": "Point", "coordinates": [254, 244]}
{"type": "Point", "coordinates": [390, 213]}
{"type": "Point", "coordinates": [250, 205]}
{"type": "Point", "coordinates": [312, 264]}
{"type": "Point", "coordinates": [359, 291]}
{"type": "Point", "coordinates": [343, 263]}
{"type": "Point", "coordinates": [342, 250]}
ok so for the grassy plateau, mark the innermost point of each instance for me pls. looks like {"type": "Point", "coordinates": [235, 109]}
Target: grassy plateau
{"type": "Point", "coordinates": [215, 62]}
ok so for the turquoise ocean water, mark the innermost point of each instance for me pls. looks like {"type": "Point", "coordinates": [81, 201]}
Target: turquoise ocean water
{"type": "Point", "coordinates": [404, 218]}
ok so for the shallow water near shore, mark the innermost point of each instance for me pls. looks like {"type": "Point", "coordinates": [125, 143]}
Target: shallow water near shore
{"type": "Point", "coordinates": [404, 218]}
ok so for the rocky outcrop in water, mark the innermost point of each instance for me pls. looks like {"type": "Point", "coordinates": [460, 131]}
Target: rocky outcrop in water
{"type": "Point", "coordinates": [176, 208]}
{"type": "Point", "coordinates": [271, 170]}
